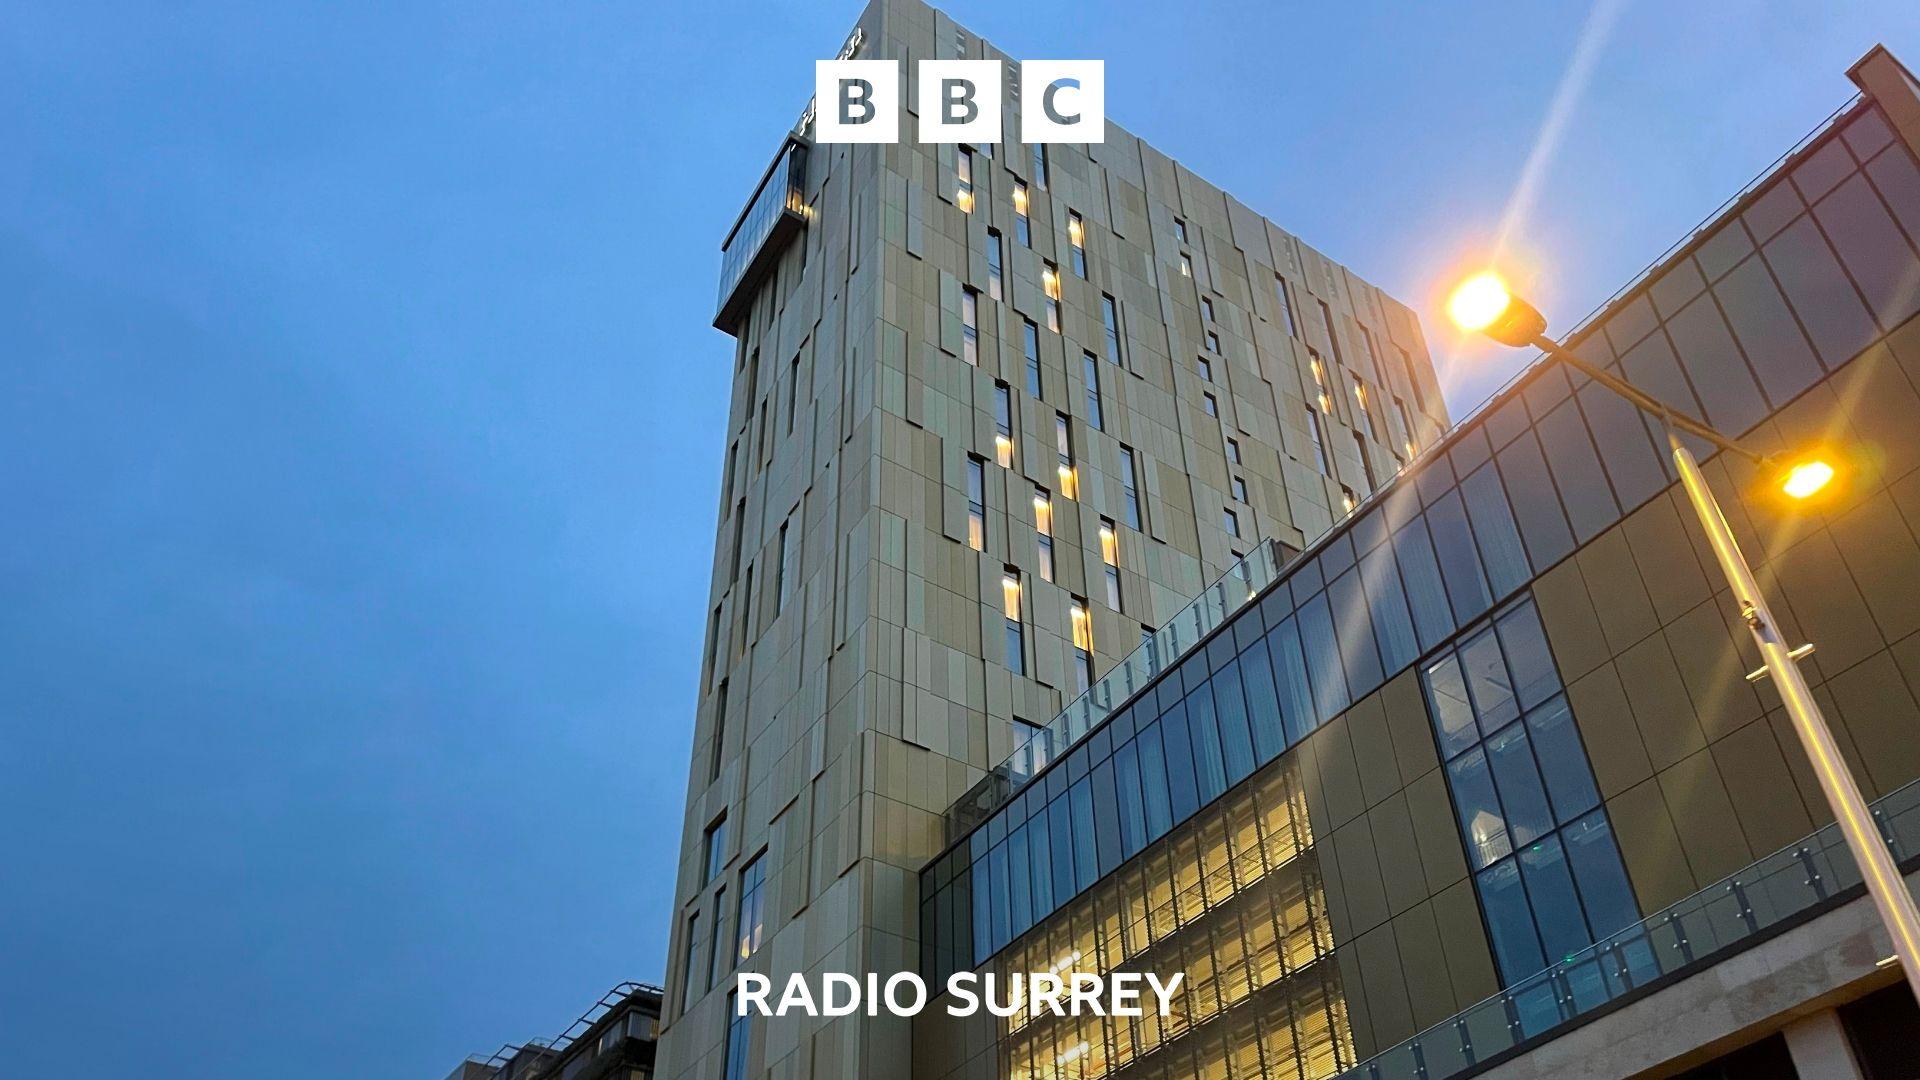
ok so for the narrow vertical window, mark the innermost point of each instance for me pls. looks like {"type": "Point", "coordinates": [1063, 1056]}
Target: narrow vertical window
{"type": "Point", "coordinates": [1406, 361]}
{"type": "Point", "coordinates": [1233, 450]}
{"type": "Point", "coordinates": [1319, 371]}
{"type": "Point", "coordinates": [1347, 501]}
{"type": "Point", "coordinates": [1180, 230]}
{"type": "Point", "coordinates": [1319, 442]}
{"type": "Point", "coordinates": [1110, 560]}
{"type": "Point", "coordinates": [1077, 240]}
{"type": "Point", "coordinates": [1130, 486]}
{"type": "Point", "coordinates": [1043, 526]}
{"type": "Point", "coordinates": [784, 572]}
{"type": "Point", "coordinates": [1110, 318]}
{"type": "Point", "coordinates": [793, 392]}
{"type": "Point", "coordinates": [1366, 461]}
{"type": "Point", "coordinates": [690, 964]}
{"type": "Point", "coordinates": [1205, 367]}
{"type": "Point", "coordinates": [1333, 335]}
{"type": "Point", "coordinates": [1090, 368]}
{"type": "Point", "coordinates": [1030, 345]}
{"type": "Point", "coordinates": [1366, 346]}
{"type": "Point", "coordinates": [716, 753]}
{"type": "Point", "coordinates": [963, 174]}
{"type": "Point", "coordinates": [1022, 227]}
{"type": "Point", "coordinates": [739, 1040]}
{"type": "Point", "coordinates": [739, 538]}
{"type": "Point", "coordinates": [1050, 285]}
{"type": "Point", "coordinates": [716, 848]}
{"type": "Point", "coordinates": [1040, 165]}
{"type": "Point", "coordinates": [1230, 521]}
{"type": "Point", "coordinates": [1238, 484]}
{"type": "Point", "coordinates": [1010, 609]}
{"type": "Point", "coordinates": [750, 928]}
{"type": "Point", "coordinates": [1003, 424]}
{"type": "Point", "coordinates": [1407, 430]}
{"type": "Point", "coordinates": [1211, 404]}
{"type": "Point", "coordinates": [1362, 400]}
{"type": "Point", "coordinates": [976, 503]}
{"type": "Point", "coordinates": [993, 263]}
{"type": "Point", "coordinates": [1206, 308]}
{"type": "Point", "coordinates": [1063, 445]}
{"type": "Point", "coordinates": [1213, 342]}
{"type": "Point", "coordinates": [1082, 625]}
{"type": "Point", "coordinates": [1285, 295]}
{"type": "Point", "coordinates": [1186, 265]}
{"type": "Point", "coordinates": [970, 326]}
{"type": "Point", "coordinates": [719, 956]}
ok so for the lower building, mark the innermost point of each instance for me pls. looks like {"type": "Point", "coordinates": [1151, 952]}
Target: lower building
{"type": "Point", "coordinates": [1477, 784]}
{"type": "Point", "coordinates": [613, 1040]}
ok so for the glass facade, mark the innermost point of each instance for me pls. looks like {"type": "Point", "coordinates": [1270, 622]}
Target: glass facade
{"type": "Point", "coordinates": [1548, 464]}
{"type": "Point", "coordinates": [775, 210]}
{"type": "Point", "coordinates": [1541, 848]}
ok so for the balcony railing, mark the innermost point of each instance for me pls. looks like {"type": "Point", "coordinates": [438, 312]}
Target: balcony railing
{"type": "Point", "coordinates": [1771, 895]}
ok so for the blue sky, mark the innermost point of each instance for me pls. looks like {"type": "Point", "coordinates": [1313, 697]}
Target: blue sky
{"type": "Point", "coordinates": [353, 572]}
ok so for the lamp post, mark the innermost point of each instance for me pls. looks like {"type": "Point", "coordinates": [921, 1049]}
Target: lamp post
{"type": "Point", "coordinates": [1483, 304]}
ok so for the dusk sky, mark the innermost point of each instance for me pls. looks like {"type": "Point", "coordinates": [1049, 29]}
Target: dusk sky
{"type": "Point", "coordinates": [361, 424]}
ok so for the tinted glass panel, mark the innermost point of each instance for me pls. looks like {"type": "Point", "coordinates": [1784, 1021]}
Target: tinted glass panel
{"type": "Point", "coordinates": [1556, 908]}
{"type": "Point", "coordinates": [1487, 681]}
{"type": "Point", "coordinates": [1500, 550]}
{"type": "Point", "coordinates": [1133, 809]}
{"type": "Point", "coordinates": [1872, 248]}
{"type": "Point", "coordinates": [1153, 781]}
{"type": "Point", "coordinates": [1474, 800]}
{"type": "Point", "coordinates": [1019, 882]}
{"type": "Point", "coordinates": [1392, 627]}
{"type": "Point", "coordinates": [1086, 858]}
{"type": "Point", "coordinates": [1535, 503]}
{"type": "Point", "coordinates": [1636, 464]}
{"type": "Point", "coordinates": [1510, 924]}
{"type": "Point", "coordinates": [1209, 764]}
{"type": "Point", "coordinates": [1556, 743]}
{"type": "Point", "coordinates": [1177, 741]}
{"type": "Point", "coordinates": [1323, 658]}
{"type": "Point", "coordinates": [1765, 329]}
{"type": "Point", "coordinates": [1603, 881]}
{"type": "Point", "coordinates": [1351, 623]}
{"type": "Point", "coordinates": [1459, 561]}
{"type": "Point", "coordinates": [1826, 302]}
{"type": "Point", "coordinates": [1106, 817]}
{"type": "Point", "coordinates": [1453, 714]}
{"type": "Point", "coordinates": [1230, 710]}
{"type": "Point", "coordinates": [1577, 473]}
{"type": "Point", "coordinates": [1290, 679]}
{"type": "Point", "coordinates": [1060, 825]}
{"type": "Point", "coordinates": [1518, 781]}
{"type": "Point", "coordinates": [1719, 372]}
{"type": "Point", "coordinates": [1651, 367]}
{"type": "Point", "coordinates": [1426, 594]}
{"type": "Point", "coordinates": [1263, 703]}
{"type": "Point", "coordinates": [1528, 658]}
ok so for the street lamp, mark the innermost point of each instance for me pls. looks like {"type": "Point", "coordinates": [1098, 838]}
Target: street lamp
{"type": "Point", "coordinates": [1483, 303]}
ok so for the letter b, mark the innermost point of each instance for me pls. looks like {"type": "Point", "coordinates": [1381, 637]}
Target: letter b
{"type": "Point", "coordinates": [959, 101]}
{"type": "Point", "coordinates": [856, 101]}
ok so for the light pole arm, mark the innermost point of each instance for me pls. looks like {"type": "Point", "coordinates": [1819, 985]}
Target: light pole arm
{"type": "Point", "coordinates": [1644, 400]}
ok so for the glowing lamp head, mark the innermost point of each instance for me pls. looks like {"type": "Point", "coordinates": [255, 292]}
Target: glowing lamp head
{"type": "Point", "coordinates": [1483, 304]}
{"type": "Point", "coordinates": [1807, 478]}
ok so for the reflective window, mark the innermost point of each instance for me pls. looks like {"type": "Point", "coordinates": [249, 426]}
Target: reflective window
{"type": "Point", "coordinates": [739, 1040]}
{"type": "Point", "coordinates": [750, 927]}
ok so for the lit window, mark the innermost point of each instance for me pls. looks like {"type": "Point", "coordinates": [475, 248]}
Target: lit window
{"type": "Point", "coordinates": [1406, 363]}
{"type": "Point", "coordinates": [1043, 525]}
{"type": "Point", "coordinates": [1211, 404]}
{"type": "Point", "coordinates": [1406, 426]}
{"type": "Point", "coordinates": [970, 326]}
{"type": "Point", "coordinates": [1239, 485]}
{"type": "Point", "coordinates": [1003, 424]}
{"type": "Point", "coordinates": [993, 263]}
{"type": "Point", "coordinates": [1366, 413]}
{"type": "Point", "coordinates": [1180, 230]}
{"type": "Point", "coordinates": [1110, 318]}
{"type": "Point", "coordinates": [1022, 227]}
{"type": "Point", "coordinates": [716, 847]}
{"type": "Point", "coordinates": [1319, 442]}
{"type": "Point", "coordinates": [1010, 609]}
{"type": "Point", "coordinates": [1205, 367]}
{"type": "Point", "coordinates": [1347, 501]}
{"type": "Point", "coordinates": [1040, 165]}
{"type": "Point", "coordinates": [1082, 623]}
{"type": "Point", "coordinates": [1285, 296]}
{"type": "Point", "coordinates": [1063, 444]}
{"type": "Point", "coordinates": [976, 503]}
{"type": "Point", "coordinates": [1186, 265]}
{"type": "Point", "coordinates": [1030, 344]}
{"type": "Point", "coordinates": [1110, 557]}
{"type": "Point", "coordinates": [1050, 285]}
{"type": "Point", "coordinates": [1130, 486]}
{"type": "Point", "coordinates": [963, 171]}
{"type": "Point", "coordinates": [753, 903]}
{"type": "Point", "coordinates": [1230, 521]}
{"type": "Point", "coordinates": [1077, 239]}
{"type": "Point", "coordinates": [1090, 368]}
{"type": "Point", "coordinates": [1233, 450]}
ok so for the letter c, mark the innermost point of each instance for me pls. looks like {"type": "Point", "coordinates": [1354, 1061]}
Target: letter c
{"type": "Point", "coordinates": [1046, 101]}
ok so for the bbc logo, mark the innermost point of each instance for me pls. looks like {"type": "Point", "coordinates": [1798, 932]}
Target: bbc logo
{"type": "Point", "coordinates": [959, 101]}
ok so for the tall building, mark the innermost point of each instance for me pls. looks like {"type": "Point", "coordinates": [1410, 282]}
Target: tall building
{"type": "Point", "coordinates": [1000, 413]}
{"type": "Point", "coordinates": [1478, 782]}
